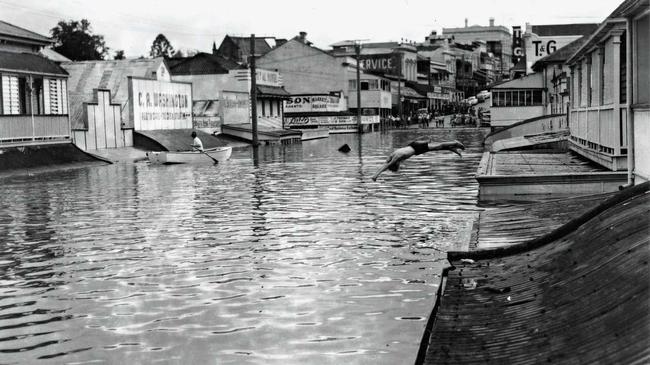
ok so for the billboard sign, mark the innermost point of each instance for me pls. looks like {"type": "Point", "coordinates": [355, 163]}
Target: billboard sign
{"type": "Point", "coordinates": [234, 107]}
{"type": "Point", "coordinates": [160, 104]}
{"type": "Point", "coordinates": [387, 63]}
{"type": "Point", "coordinates": [312, 103]}
{"type": "Point", "coordinates": [348, 121]}
{"type": "Point", "coordinates": [517, 45]}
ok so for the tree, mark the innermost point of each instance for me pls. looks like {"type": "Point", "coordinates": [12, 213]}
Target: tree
{"type": "Point", "coordinates": [161, 47]}
{"type": "Point", "coordinates": [74, 39]}
{"type": "Point", "coordinates": [119, 55]}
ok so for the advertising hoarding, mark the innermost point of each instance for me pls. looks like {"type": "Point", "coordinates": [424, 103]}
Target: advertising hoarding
{"type": "Point", "coordinates": [312, 103]}
{"type": "Point", "coordinates": [160, 104]}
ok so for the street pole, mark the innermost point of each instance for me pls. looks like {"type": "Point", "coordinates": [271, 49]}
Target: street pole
{"type": "Point", "coordinates": [358, 50]}
{"type": "Point", "coordinates": [253, 93]}
{"type": "Point", "coordinates": [399, 88]}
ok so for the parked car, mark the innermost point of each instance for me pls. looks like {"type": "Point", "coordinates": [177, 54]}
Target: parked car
{"type": "Point", "coordinates": [472, 100]}
{"type": "Point", "coordinates": [483, 95]}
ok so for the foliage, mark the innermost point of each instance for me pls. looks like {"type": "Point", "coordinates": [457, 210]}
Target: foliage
{"type": "Point", "coordinates": [74, 39]}
{"type": "Point", "coordinates": [161, 47]}
{"type": "Point", "coordinates": [119, 55]}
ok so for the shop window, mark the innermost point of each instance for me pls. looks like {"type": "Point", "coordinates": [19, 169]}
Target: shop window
{"type": "Point", "coordinates": [365, 85]}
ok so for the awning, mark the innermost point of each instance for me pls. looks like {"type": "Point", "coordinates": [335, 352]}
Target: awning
{"type": "Point", "coordinates": [30, 64]}
{"type": "Point", "coordinates": [272, 92]}
{"type": "Point", "coordinates": [407, 92]}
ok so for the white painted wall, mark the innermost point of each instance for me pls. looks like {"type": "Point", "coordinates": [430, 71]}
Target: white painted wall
{"type": "Point", "coordinates": [505, 116]}
{"type": "Point", "coordinates": [642, 146]}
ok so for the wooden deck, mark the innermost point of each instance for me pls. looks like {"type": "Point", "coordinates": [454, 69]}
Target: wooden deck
{"type": "Point", "coordinates": [518, 174]}
{"type": "Point", "coordinates": [578, 295]}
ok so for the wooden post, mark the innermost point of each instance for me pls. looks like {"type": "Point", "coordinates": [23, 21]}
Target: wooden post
{"type": "Point", "coordinates": [253, 92]}
{"type": "Point", "coordinates": [358, 51]}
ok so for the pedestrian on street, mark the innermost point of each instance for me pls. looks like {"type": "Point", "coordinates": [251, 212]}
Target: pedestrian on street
{"type": "Point", "coordinates": [417, 147]}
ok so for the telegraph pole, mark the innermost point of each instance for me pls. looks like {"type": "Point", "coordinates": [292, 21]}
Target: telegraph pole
{"type": "Point", "coordinates": [253, 93]}
{"type": "Point", "coordinates": [399, 87]}
{"type": "Point", "coordinates": [357, 47]}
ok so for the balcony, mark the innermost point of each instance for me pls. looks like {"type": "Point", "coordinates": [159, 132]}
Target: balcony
{"type": "Point", "coordinates": [27, 129]}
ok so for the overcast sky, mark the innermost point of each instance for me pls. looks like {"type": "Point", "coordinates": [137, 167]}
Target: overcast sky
{"type": "Point", "coordinates": [194, 24]}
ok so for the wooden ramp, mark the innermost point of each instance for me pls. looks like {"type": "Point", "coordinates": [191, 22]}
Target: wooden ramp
{"type": "Point", "coordinates": [516, 175]}
{"type": "Point", "coordinates": [266, 134]}
{"type": "Point", "coordinates": [579, 295]}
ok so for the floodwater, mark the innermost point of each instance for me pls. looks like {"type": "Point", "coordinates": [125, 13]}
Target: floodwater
{"type": "Point", "coordinates": [292, 255]}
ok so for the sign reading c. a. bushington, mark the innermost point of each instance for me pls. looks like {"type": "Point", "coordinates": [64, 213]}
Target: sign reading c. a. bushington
{"type": "Point", "coordinates": [161, 104]}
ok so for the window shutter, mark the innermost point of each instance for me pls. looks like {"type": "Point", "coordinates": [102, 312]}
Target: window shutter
{"type": "Point", "coordinates": [64, 97]}
{"type": "Point", "coordinates": [10, 99]}
{"type": "Point", "coordinates": [46, 96]}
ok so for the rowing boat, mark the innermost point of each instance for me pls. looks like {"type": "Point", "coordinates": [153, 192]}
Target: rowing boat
{"type": "Point", "coordinates": [209, 155]}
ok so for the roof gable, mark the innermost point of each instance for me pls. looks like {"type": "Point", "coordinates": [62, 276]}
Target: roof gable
{"type": "Point", "coordinates": [205, 64]}
{"type": "Point", "coordinates": [243, 43]}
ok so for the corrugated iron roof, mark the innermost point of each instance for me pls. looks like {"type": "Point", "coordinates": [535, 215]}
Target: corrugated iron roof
{"type": "Point", "coordinates": [29, 63]}
{"type": "Point", "coordinates": [577, 295]}
{"type": "Point", "coordinates": [11, 30]}
{"type": "Point", "coordinates": [86, 76]}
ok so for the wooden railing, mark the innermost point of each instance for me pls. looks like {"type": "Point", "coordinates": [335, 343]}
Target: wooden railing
{"type": "Point", "coordinates": [600, 129]}
{"type": "Point", "coordinates": [21, 128]}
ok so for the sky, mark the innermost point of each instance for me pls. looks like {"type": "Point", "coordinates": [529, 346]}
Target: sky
{"type": "Point", "coordinates": [194, 24]}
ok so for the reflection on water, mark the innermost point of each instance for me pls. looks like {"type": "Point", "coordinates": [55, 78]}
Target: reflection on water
{"type": "Point", "coordinates": [298, 258]}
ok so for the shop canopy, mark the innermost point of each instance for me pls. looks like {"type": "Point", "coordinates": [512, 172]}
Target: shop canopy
{"type": "Point", "coordinates": [276, 92]}
{"type": "Point", "coordinates": [408, 92]}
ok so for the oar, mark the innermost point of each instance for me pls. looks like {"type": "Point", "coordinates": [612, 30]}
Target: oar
{"type": "Point", "coordinates": [216, 162]}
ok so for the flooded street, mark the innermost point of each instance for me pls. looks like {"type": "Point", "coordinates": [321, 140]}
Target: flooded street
{"type": "Point", "coordinates": [293, 256]}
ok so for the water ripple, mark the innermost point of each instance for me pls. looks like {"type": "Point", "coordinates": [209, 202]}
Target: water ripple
{"type": "Point", "coordinates": [294, 257]}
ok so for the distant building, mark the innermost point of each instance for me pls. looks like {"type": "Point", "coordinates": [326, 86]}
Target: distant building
{"type": "Point", "coordinates": [517, 100]}
{"type": "Point", "coordinates": [238, 48]}
{"type": "Point", "coordinates": [542, 40]}
{"type": "Point", "coordinates": [221, 91]}
{"type": "Point", "coordinates": [311, 73]}
{"type": "Point", "coordinates": [497, 38]}
{"type": "Point", "coordinates": [609, 118]}
{"type": "Point", "coordinates": [556, 77]}
{"type": "Point", "coordinates": [33, 93]}
{"type": "Point", "coordinates": [395, 62]}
